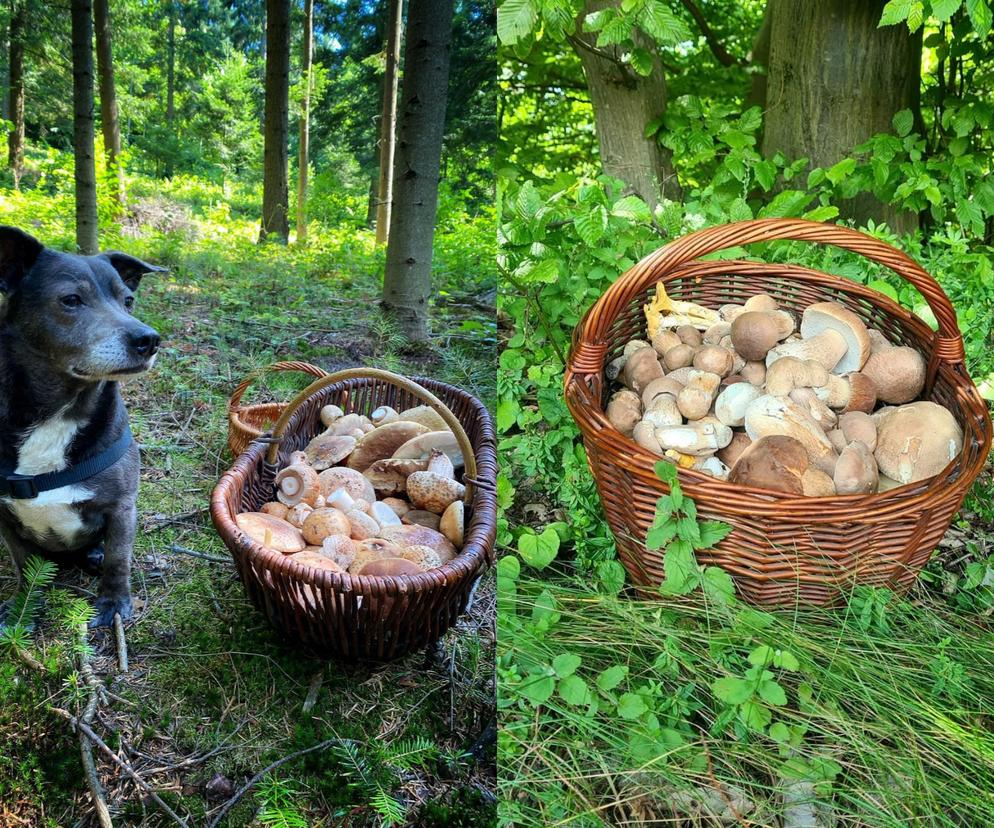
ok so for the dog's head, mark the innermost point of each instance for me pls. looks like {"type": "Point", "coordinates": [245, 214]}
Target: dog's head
{"type": "Point", "coordinates": [75, 311]}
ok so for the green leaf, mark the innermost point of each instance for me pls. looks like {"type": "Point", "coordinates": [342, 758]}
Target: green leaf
{"type": "Point", "coordinates": [641, 61]}
{"type": "Point", "coordinates": [762, 655]}
{"type": "Point", "coordinates": [658, 536]}
{"type": "Point", "coordinates": [786, 203]}
{"type": "Point", "coordinates": [712, 532]}
{"type": "Point", "coordinates": [631, 706]}
{"type": "Point", "coordinates": [980, 16]}
{"type": "Point", "coordinates": [772, 693]}
{"type": "Point", "coordinates": [779, 732]}
{"type": "Point", "coordinates": [539, 550]}
{"type": "Point", "coordinates": [680, 567]}
{"type": "Point", "coordinates": [507, 413]}
{"type": "Point", "coordinates": [765, 173]}
{"type": "Point", "coordinates": [574, 691]}
{"type": "Point", "coordinates": [883, 287]}
{"type": "Point", "coordinates": [537, 688]}
{"type": "Point", "coordinates": [718, 585]}
{"type": "Point", "coordinates": [528, 202]}
{"type": "Point", "coordinates": [896, 11]}
{"type": "Point", "coordinates": [903, 121]}
{"type": "Point", "coordinates": [632, 208]}
{"type": "Point", "coordinates": [970, 217]}
{"type": "Point", "coordinates": [659, 22]}
{"type": "Point", "coordinates": [566, 664]}
{"type": "Point", "coordinates": [509, 567]}
{"type": "Point", "coordinates": [732, 690]}
{"type": "Point", "coordinates": [754, 715]}
{"type": "Point", "coordinates": [544, 609]}
{"type": "Point", "coordinates": [942, 10]}
{"type": "Point", "coordinates": [665, 471]}
{"type": "Point", "coordinates": [591, 226]}
{"type": "Point", "coordinates": [838, 172]}
{"type": "Point", "coordinates": [786, 660]}
{"type": "Point", "coordinates": [916, 15]}
{"type": "Point", "coordinates": [515, 19]}
{"type": "Point", "coordinates": [612, 677]}
{"type": "Point", "coordinates": [610, 577]}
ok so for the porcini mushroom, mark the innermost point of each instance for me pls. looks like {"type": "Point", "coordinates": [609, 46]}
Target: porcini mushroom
{"type": "Point", "coordinates": [421, 517]}
{"type": "Point", "coordinates": [664, 340]}
{"type": "Point", "coordinates": [330, 414]}
{"type": "Point", "coordinates": [662, 412]}
{"type": "Point", "coordinates": [695, 398]}
{"type": "Point", "coordinates": [754, 333]}
{"type": "Point", "coordinates": [325, 450]}
{"type": "Point", "coordinates": [451, 524]}
{"type": "Point", "coordinates": [822, 317]}
{"type": "Point", "coordinates": [383, 415]}
{"type": "Point", "coordinates": [731, 404]}
{"type": "Point", "coordinates": [788, 373]}
{"type": "Point", "coordinates": [714, 359]}
{"type": "Point", "coordinates": [341, 477]}
{"type": "Point", "coordinates": [645, 435]}
{"type": "Point", "coordinates": [433, 492]}
{"type": "Point", "coordinates": [389, 476]}
{"type": "Point", "coordinates": [776, 462]}
{"type": "Point", "coordinates": [852, 392]}
{"type": "Point", "coordinates": [772, 416]}
{"type": "Point", "coordinates": [277, 510]}
{"type": "Point", "coordinates": [916, 441]}
{"type": "Point", "coordinates": [897, 374]}
{"type": "Point", "coordinates": [641, 369]}
{"type": "Point", "coordinates": [414, 535]}
{"type": "Point", "coordinates": [389, 567]}
{"type": "Point", "coordinates": [679, 357]}
{"type": "Point", "coordinates": [424, 557]}
{"type": "Point", "coordinates": [856, 472]}
{"type": "Point", "coordinates": [694, 438]}
{"type": "Point", "coordinates": [858, 425]}
{"type": "Point", "coordinates": [624, 410]}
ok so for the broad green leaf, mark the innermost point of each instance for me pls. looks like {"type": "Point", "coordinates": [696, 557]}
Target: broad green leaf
{"type": "Point", "coordinates": [712, 532]}
{"type": "Point", "coordinates": [718, 585]}
{"type": "Point", "coordinates": [838, 172]}
{"type": "Point", "coordinates": [610, 577]}
{"type": "Point", "coordinates": [631, 706]}
{"type": "Point", "coordinates": [632, 208]}
{"type": "Point", "coordinates": [916, 15]}
{"type": "Point", "coordinates": [883, 287]}
{"type": "Point", "coordinates": [591, 226]}
{"type": "Point", "coordinates": [765, 173]}
{"type": "Point", "coordinates": [754, 715]}
{"type": "Point", "coordinates": [680, 567]}
{"type": "Point", "coordinates": [537, 687]}
{"type": "Point", "coordinates": [574, 691]}
{"type": "Point", "coordinates": [539, 550]}
{"type": "Point", "coordinates": [507, 413]}
{"type": "Point", "coordinates": [786, 203]}
{"type": "Point", "coordinates": [612, 677]}
{"type": "Point", "coordinates": [665, 471]}
{"type": "Point", "coordinates": [641, 61]}
{"type": "Point", "coordinates": [658, 536]}
{"type": "Point", "coordinates": [779, 732]}
{"type": "Point", "coordinates": [659, 22]}
{"type": "Point", "coordinates": [903, 121]}
{"type": "Point", "coordinates": [786, 660]}
{"type": "Point", "coordinates": [528, 202]}
{"type": "Point", "coordinates": [509, 567]}
{"type": "Point", "coordinates": [762, 655]}
{"type": "Point", "coordinates": [515, 19]}
{"type": "Point", "coordinates": [544, 609]}
{"type": "Point", "coordinates": [896, 11]}
{"type": "Point", "coordinates": [732, 690]}
{"type": "Point", "coordinates": [942, 10]}
{"type": "Point", "coordinates": [772, 693]}
{"type": "Point", "coordinates": [980, 16]}
{"type": "Point", "coordinates": [565, 664]}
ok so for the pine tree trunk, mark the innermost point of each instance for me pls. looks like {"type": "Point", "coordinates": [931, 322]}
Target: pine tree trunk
{"type": "Point", "coordinates": [276, 127]}
{"type": "Point", "coordinates": [171, 63]}
{"type": "Point", "coordinates": [109, 123]}
{"type": "Point", "coordinates": [407, 280]}
{"type": "Point", "coordinates": [86, 171]}
{"type": "Point", "coordinates": [624, 103]}
{"type": "Point", "coordinates": [834, 80]}
{"type": "Point", "coordinates": [388, 120]}
{"type": "Point", "coordinates": [307, 46]}
{"type": "Point", "coordinates": [15, 140]}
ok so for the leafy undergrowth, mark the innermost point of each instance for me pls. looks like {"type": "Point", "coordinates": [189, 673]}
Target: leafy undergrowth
{"type": "Point", "coordinates": [213, 696]}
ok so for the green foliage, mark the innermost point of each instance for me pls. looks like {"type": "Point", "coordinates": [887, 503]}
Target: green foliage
{"type": "Point", "coordinates": [22, 612]}
{"type": "Point", "coordinates": [276, 798]}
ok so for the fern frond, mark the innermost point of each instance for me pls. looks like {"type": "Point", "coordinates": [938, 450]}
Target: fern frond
{"type": "Point", "coordinates": [22, 612]}
{"type": "Point", "coordinates": [390, 811]}
{"type": "Point", "coordinates": [354, 766]}
{"type": "Point", "coordinates": [409, 753]}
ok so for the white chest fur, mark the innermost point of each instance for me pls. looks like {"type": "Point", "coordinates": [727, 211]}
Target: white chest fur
{"type": "Point", "coordinates": [44, 450]}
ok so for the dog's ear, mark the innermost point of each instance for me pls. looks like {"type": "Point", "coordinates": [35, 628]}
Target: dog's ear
{"type": "Point", "coordinates": [18, 253]}
{"type": "Point", "coordinates": [131, 269]}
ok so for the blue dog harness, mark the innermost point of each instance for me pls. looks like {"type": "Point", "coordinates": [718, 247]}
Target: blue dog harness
{"type": "Point", "coordinates": [27, 486]}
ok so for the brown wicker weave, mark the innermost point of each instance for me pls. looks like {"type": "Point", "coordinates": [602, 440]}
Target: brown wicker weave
{"type": "Point", "coordinates": [356, 617]}
{"type": "Point", "coordinates": [783, 549]}
{"type": "Point", "coordinates": [246, 422]}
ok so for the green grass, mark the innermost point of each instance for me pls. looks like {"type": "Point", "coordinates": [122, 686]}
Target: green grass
{"type": "Point", "coordinates": [207, 671]}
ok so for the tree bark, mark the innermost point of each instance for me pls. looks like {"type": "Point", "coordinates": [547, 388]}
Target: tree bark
{"type": "Point", "coordinates": [759, 61]}
{"type": "Point", "coordinates": [15, 140]}
{"type": "Point", "coordinates": [171, 63]}
{"type": "Point", "coordinates": [307, 46]}
{"type": "Point", "coordinates": [276, 127]}
{"type": "Point", "coordinates": [109, 123]}
{"type": "Point", "coordinates": [417, 161]}
{"type": "Point", "coordinates": [85, 171]}
{"type": "Point", "coordinates": [624, 103]}
{"type": "Point", "coordinates": [834, 80]}
{"type": "Point", "coordinates": [388, 120]}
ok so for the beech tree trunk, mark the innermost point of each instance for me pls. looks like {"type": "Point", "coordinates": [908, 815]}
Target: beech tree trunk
{"type": "Point", "coordinates": [759, 60]}
{"type": "Point", "coordinates": [15, 140]}
{"type": "Point", "coordinates": [307, 46]}
{"type": "Point", "coordinates": [276, 127]}
{"type": "Point", "coordinates": [388, 120]}
{"type": "Point", "coordinates": [834, 80]}
{"type": "Point", "coordinates": [108, 100]}
{"type": "Point", "coordinates": [624, 103]}
{"type": "Point", "coordinates": [417, 161]}
{"type": "Point", "coordinates": [86, 170]}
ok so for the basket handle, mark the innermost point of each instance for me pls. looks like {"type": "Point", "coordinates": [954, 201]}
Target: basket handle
{"type": "Point", "coordinates": [275, 368]}
{"type": "Point", "coordinates": [469, 458]}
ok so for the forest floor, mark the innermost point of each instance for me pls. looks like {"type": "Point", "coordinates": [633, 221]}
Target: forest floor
{"type": "Point", "coordinates": [213, 695]}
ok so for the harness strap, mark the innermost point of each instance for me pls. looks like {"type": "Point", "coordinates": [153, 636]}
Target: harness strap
{"type": "Point", "coordinates": [27, 486]}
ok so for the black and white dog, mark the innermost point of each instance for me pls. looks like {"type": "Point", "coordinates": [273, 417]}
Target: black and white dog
{"type": "Point", "coordinates": [68, 464]}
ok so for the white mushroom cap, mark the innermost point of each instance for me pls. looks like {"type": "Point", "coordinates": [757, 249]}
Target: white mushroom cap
{"type": "Point", "coordinates": [731, 405]}
{"type": "Point", "coordinates": [917, 441]}
{"type": "Point", "coordinates": [823, 316]}
{"type": "Point", "coordinates": [771, 415]}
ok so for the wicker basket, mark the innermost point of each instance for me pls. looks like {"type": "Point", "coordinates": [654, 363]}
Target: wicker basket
{"type": "Point", "coordinates": [356, 617]}
{"type": "Point", "coordinates": [783, 549]}
{"type": "Point", "coordinates": [246, 422]}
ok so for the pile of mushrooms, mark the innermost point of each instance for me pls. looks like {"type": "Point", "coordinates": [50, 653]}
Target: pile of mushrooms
{"type": "Point", "coordinates": [744, 395]}
{"type": "Point", "coordinates": [375, 495]}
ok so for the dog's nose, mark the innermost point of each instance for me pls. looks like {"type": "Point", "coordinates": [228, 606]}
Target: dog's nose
{"type": "Point", "coordinates": [145, 343]}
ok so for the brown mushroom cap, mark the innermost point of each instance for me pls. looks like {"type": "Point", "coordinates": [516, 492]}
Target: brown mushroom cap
{"type": "Point", "coordinates": [816, 483]}
{"type": "Point", "coordinates": [277, 510]}
{"type": "Point", "coordinates": [897, 374]}
{"type": "Point", "coordinates": [689, 335]}
{"type": "Point", "coordinates": [754, 372]}
{"type": "Point", "coordinates": [714, 360]}
{"type": "Point", "coordinates": [421, 536]}
{"type": "Point", "coordinates": [451, 524]}
{"type": "Point", "coordinates": [424, 557]}
{"type": "Point", "coordinates": [761, 302]}
{"type": "Point", "coordinates": [324, 522]}
{"type": "Point", "coordinates": [624, 410]}
{"type": "Point", "coordinates": [421, 517]}
{"type": "Point", "coordinates": [858, 425]}
{"type": "Point", "coordinates": [341, 477]}
{"type": "Point", "coordinates": [330, 414]}
{"type": "Point", "coordinates": [662, 385]}
{"type": "Point", "coordinates": [641, 368]}
{"type": "Point", "coordinates": [298, 483]}
{"type": "Point", "coordinates": [382, 442]}
{"type": "Point", "coordinates": [433, 492]}
{"type": "Point", "coordinates": [771, 415]}
{"type": "Point", "coordinates": [823, 316]}
{"type": "Point", "coordinates": [788, 373]}
{"type": "Point", "coordinates": [754, 333]}
{"type": "Point", "coordinates": [665, 339]}
{"type": "Point", "coordinates": [326, 450]}
{"type": "Point", "coordinates": [733, 451]}
{"type": "Point", "coordinates": [916, 441]}
{"type": "Point", "coordinates": [340, 548]}
{"type": "Point", "coordinates": [348, 425]}
{"type": "Point", "coordinates": [645, 435]}
{"type": "Point", "coordinates": [679, 357]}
{"type": "Point", "coordinates": [316, 559]}
{"type": "Point", "coordinates": [271, 532]}
{"type": "Point", "coordinates": [856, 472]}
{"type": "Point", "coordinates": [426, 415]}
{"type": "Point", "coordinates": [390, 567]}
{"type": "Point", "coordinates": [776, 462]}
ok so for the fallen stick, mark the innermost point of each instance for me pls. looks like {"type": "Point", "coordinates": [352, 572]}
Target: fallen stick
{"type": "Point", "coordinates": [84, 729]}
{"type": "Point", "coordinates": [255, 779]}
{"type": "Point", "coordinates": [85, 748]}
{"type": "Point", "coordinates": [313, 691]}
{"type": "Point", "coordinates": [122, 643]}
{"type": "Point", "coordinates": [182, 550]}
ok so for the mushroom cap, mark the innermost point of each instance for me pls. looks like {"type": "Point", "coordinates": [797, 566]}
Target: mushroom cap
{"type": "Point", "coordinates": [714, 360]}
{"type": "Point", "coordinates": [897, 374]}
{"type": "Point", "coordinates": [694, 438]}
{"type": "Point", "coordinates": [730, 311]}
{"type": "Point", "coordinates": [433, 492]}
{"type": "Point", "coordinates": [823, 316]}
{"type": "Point", "coordinates": [298, 483]}
{"type": "Point", "coordinates": [776, 462]}
{"type": "Point", "coordinates": [862, 392]}
{"type": "Point", "coordinates": [858, 425]}
{"type": "Point", "coordinates": [383, 415]}
{"type": "Point", "coordinates": [679, 356]}
{"type": "Point", "coordinates": [641, 368]}
{"type": "Point", "coordinates": [340, 548]}
{"type": "Point", "coordinates": [733, 451]}
{"type": "Point", "coordinates": [820, 413]}
{"type": "Point", "coordinates": [342, 477]}
{"type": "Point", "coordinates": [644, 434]}
{"type": "Point", "coordinates": [440, 464]}
{"type": "Point", "coordinates": [731, 404]}
{"type": "Point", "coordinates": [633, 345]}
{"type": "Point", "coordinates": [661, 385]}
{"type": "Point", "coordinates": [414, 535]}
{"type": "Point", "coordinates": [389, 476]}
{"type": "Point", "coordinates": [856, 472]}
{"type": "Point", "coordinates": [400, 507]}
{"type": "Point", "coordinates": [318, 560]}
{"type": "Point", "coordinates": [420, 447]}
{"type": "Point", "coordinates": [771, 415]}
{"type": "Point", "coordinates": [347, 425]}
{"type": "Point", "coordinates": [424, 557]}
{"type": "Point", "coordinates": [276, 509]}
{"type": "Point", "coordinates": [665, 339]}
{"type": "Point", "coordinates": [690, 334]}
{"type": "Point", "coordinates": [321, 523]}
{"type": "Point", "coordinates": [326, 450]}
{"type": "Point", "coordinates": [624, 410]}
{"type": "Point", "coordinates": [271, 532]}
{"type": "Point", "coordinates": [788, 373]}
{"type": "Point", "coordinates": [717, 332]}
{"type": "Point", "coordinates": [916, 441]}
{"type": "Point", "coordinates": [421, 517]}
{"type": "Point", "coordinates": [390, 567]}
{"type": "Point", "coordinates": [754, 333]}
{"type": "Point", "coordinates": [452, 521]}
{"type": "Point", "coordinates": [298, 514]}
{"type": "Point", "coordinates": [426, 416]}
{"type": "Point", "coordinates": [664, 411]}
{"type": "Point", "coordinates": [754, 372]}
{"type": "Point", "coordinates": [329, 414]}
{"type": "Point", "coordinates": [382, 442]}
{"type": "Point", "coordinates": [761, 302]}
{"type": "Point", "coordinates": [815, 483]}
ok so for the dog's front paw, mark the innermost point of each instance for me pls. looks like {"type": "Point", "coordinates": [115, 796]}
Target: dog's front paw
{"type": "Point", "coordinates": [105, 608]}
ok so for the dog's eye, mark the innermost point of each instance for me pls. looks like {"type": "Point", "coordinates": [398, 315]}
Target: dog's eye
{"type": "Point", "coordinates": [73, 300]}
{"type": "Point", "coordinates": [129, 302]}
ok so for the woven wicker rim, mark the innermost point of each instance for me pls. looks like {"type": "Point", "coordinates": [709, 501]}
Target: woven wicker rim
{"type": "Point", "coordinates": [584, 373]}
{"type": "Point", "coordinates": [466, 562]}
{"type": "Point", "coordinates": [236, 411]}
